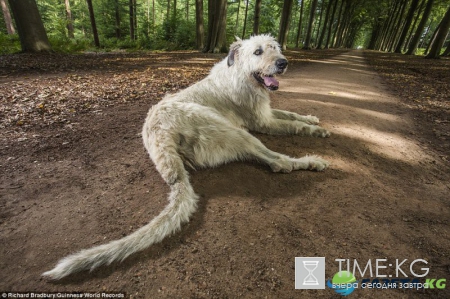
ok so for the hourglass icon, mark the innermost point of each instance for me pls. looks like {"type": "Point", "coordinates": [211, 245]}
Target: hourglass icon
{"type": "Point", "coordinates": [310, 279]}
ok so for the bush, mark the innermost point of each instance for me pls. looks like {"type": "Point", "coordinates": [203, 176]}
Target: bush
{"type": "Point", "coordinates": [9, 43]}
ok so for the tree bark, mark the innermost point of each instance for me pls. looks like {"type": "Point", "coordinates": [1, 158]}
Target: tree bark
{"type": "Point", "coordinates": [413, 26]}
{"type": "Point", "coordinates": [438, 42]}
{"type": "Point", "coordinates": [330, 26]}
{"type": "Point", "coordinates": [217, 16]}
{"type": "Point", "coordinates": [256, 17]}
{"type": "Point", "coordinates": [338, 24]}
{"type": "Point", "coordinates": [322, 7]}
{"type": "Point", "coordinates": [200, 31]}
{"type": "Point", "coordinates": [395, 29]}
{"type": "Point", "coordinates": [325, 24]}
{"type": "Point", "coordinates": [94, 26]}
{"type": "Point", "coordinates": [245, 18]}
{"type": "Point", "coordinates": [131, 11]}
{"type": "Point", "coordinates": [237, 18]}
{"type": "Point", "coordinates": [70, 29]}
{"type": "Point", "coordinates": [33, 37]}
{"type": "Point", "coordinates": [312, 14]}
{"type": "Point", "coordinates": [284, 23]}
{"type": "Point", "coordinates": [7, 16]}
{"type": "Point", "coordinates": [408, 21]}
{"type": "Point", "coordinates": [299, 29]}
{"type": "Point", "coordinates": [416, 38]}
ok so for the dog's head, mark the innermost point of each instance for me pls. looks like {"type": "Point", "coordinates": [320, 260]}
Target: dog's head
{"type": "Point", "coordinates": [260, 58]}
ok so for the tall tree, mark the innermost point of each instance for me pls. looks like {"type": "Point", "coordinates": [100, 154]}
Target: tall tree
{"type": "Point", "coordinates": [7, 16]}
{"type": "Point", "coordinates": [299, 29]}
{"type": "Point", "coordinates": [33, 37]}
{"type": "Point", "coordinates": [416, 38]}
{"type": "Point", "coordinates": [245, 18]}
{"type": "Point", "coordinates": [237, 17]}
{"type": "Point", "coordinates": [397, 26]}
{"type": "Point", "coordinates": [408, 21]}
{"type": "Point", "coordinates": [93, 24]}
{"type": "Point", "coordinates": [217, 18]}
{"type": "Point", "coordinates": [413, 25]}
{"type": "Point", "coordinates": [312, 14]}
{"type": "Point", "coordinates": [256, 17]}
{"type": "Point", "coordinates": [70, 29]}
{"type": "Point", "coordinates": [117, 19]}
{"type": "Point", "coordinates": [131, 5]}
{"type": "Point", "coordinates": [284, 23]}
{"type": "Point", "coordinates": [330, 26]}
{"type": "Point", "coordinates": [199, 27]}
{"type": "Point", "coordinates": [441, 35]}
{"type": "Point", "coordinates": [325, 24]}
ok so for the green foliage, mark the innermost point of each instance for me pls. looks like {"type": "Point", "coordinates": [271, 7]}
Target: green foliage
{"type": "Point", "coordinates": [9, 43]}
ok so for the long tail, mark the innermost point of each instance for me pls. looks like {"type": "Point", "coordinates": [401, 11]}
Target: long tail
{"type": "Point", "coordinates": [182, 203]}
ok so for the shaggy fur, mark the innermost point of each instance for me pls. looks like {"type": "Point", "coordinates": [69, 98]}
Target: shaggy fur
{"type": "Point", "coordinates": [206, 125]}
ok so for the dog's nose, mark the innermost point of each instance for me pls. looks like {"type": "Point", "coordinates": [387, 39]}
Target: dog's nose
{"type": "Point", "coordinates": [281, 63]}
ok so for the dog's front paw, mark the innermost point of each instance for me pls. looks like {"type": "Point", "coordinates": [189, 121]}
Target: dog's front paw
{"type": "Point", "coordinates": [317, 131]}
{"type": "Point", "coordinates": [312, 120]}
{"type": "Point", "coordinates": [311, 163]}
{"type": "Point", "coordinates": [317, 163]}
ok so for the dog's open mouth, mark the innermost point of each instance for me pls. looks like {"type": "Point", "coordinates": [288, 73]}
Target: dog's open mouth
{"type": "Point", "coordinates": [268, 81]}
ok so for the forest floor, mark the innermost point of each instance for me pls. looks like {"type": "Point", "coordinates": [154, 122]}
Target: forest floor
{"type": "Point", "coordinates": [74, 174]}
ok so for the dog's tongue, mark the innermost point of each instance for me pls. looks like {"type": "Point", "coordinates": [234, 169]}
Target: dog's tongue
{"type": "Point", "coordinates": [271, 81]}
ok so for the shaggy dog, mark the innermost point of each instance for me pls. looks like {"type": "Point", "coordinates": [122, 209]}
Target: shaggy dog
{"type": "Point", "coordinates": [206, 125]}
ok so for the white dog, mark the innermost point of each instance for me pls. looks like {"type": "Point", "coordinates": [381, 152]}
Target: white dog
{"type": "Point", "coordinates": [206, 125]}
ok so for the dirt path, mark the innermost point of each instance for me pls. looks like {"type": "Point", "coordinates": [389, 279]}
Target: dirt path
{"type": "Point", "coordinates": [386, 196]}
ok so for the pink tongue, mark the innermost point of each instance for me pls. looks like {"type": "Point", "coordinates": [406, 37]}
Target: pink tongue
{"type": "Point", "coordinates": [271, 81]}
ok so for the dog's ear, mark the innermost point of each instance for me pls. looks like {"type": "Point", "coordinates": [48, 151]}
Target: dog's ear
{"type": "Point", "coordinates": [234, 51]}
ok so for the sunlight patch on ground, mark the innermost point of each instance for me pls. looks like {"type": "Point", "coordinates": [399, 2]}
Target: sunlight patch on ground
{"type": "Point", "coordinates": [393, 146]}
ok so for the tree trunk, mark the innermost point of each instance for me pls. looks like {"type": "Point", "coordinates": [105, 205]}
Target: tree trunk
{"type": "Point", "coordinates": [187, 10]}
{"type": "Point", "coordinates": [447, 51]}
{"type": "Point", "coordinates": [200, 31]}
{"type": "Point", "coordinates": [325, 24]}
{"type": "Point", "coordinates": [256, 17]}
{"type": "Point", "coordinates": [237, 18]}
{"type": "Point", "coordinates": [322, 7]}
{"type": "Point", "coordinates": [94, 26]}
{"type": "Point", "coordinates": [33, 37]}
{"type": "Point", "coordinates": [312, 14]}
{"type": "Point", "coordinates": [438, 42]}
{"type": "Point", "coordinates": [284, 23]}
{"type": "Point", "coordinates": [131, 7]}
{"type": "Point", "coordinates": [330, 26]}
{"type": "Point", "coordinates": [70, 29]}
{"type": "Point", "coordinates": [7, 16]}
{"type": "Point", "coordinates": [245, 18]}
{"type": "Point", "coordinates": [388, 25]}
{"type": "Point", "coordinates": [409, 19]}
{"type": "Point", "coordinates": [338, 24]}
{"type": "Point", "coordinates": [168, 8]}
{"type": "Point", "coordinates": [397, 26]}
{"type": "Point", "coordinates": [217, 16]}
{"type": "Point", "coordinates": [416, 38]}
{"type": "Point", "coordinates": [174, 9]}
{"type": "Point", "coordinates": [414, 25]}
{"type": "Point", "coordinates": [299, 29]}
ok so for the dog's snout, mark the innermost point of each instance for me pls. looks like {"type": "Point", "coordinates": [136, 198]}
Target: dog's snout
{"type": "Point", "coordinates": [281, 63]}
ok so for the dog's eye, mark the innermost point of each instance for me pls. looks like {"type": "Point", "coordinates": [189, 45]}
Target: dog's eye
{"type": "Point", "coordinates": [258, 52]}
